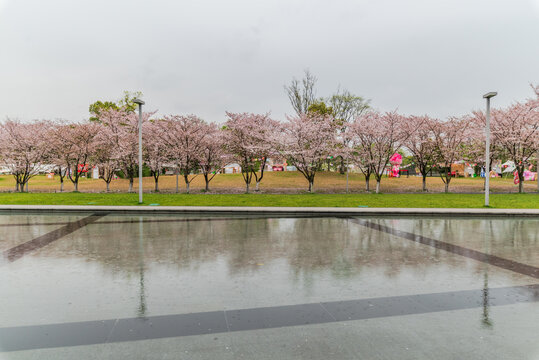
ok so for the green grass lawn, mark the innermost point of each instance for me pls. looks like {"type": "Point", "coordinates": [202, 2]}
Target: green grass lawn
{"type": "Point", "coordinates": [519, 201]}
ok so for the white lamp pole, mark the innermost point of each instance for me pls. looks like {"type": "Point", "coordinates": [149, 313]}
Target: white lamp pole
{"type": "Point", "coordinates": [140, 103]}
{"type": "Point", "coordinates": [487, 152]}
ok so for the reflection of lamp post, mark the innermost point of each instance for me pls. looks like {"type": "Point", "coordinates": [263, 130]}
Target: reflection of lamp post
{"type": "Point", "coordinates": [485, 293]}
{"type": "Point", "coordinates": [487, 155]}
{"type": "Point", "coordinates": [140, 103]}
{"type": "Point", "coordinates": [486, 318]}
{"type": "Point", "coordinates": [142, 296]}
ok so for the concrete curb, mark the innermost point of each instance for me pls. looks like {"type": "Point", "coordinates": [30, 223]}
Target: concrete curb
{"type": "Point", "coordinates": [305, 211]}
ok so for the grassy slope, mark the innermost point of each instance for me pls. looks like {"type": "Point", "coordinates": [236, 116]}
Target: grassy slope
{"type": "Point", "coordinates": [279, 182]}
{"type": "Point", "coordinates": [528, 201]}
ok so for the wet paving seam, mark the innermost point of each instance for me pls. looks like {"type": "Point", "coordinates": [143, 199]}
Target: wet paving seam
{"type": "Point", "coordinates": [228, 321]}
{"type": "Point", "coordinates": [493, 260]}
{"type": "Point", "coordinates": [19, 251]}
{"type": "Point", "coordinates": [326, 310]}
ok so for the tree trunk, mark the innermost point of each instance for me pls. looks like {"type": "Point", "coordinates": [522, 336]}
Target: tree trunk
{"type": "Point", "coordinates": [341, 168]}
{"type": "Point", "coordinates": [377, 186]}
{"type": "Point", "coordinates": [108, 186]}
{"type": "Point", "coordinates": [257, 185]}
{"type": "Point", "coordinates": [131, 184]}
{"type": "Point", "coordinates": [367, 183]}
{"type": "Point", "coordinates": [247, 188]}
{"type": "Point", "coordinates": [17, 186]}
{"type": "Point", "coordinates": [311, 186]}
{"type": "Point", "coordinates": [76, 184]}
{"type": "Point", "coordinates": [425, 183]}
{"type": "Point", "coordinates": [446, 186]}
{"type": "Point", "coordinates": [156, 184]}
{"type": "Point", "coordinates": [520, 181]}
{"type": "Point", "coordinates": [207, 183]}
{"type": "Point", "coordinates": [177, 183]}
{"type": "Point", "coordinates": [187, 187]}
{"type": "Point", "coordinates": [61, 185]}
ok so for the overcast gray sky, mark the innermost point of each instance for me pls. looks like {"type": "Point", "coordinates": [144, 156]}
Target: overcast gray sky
{"type": "Point", "coordinates": [210, 56]}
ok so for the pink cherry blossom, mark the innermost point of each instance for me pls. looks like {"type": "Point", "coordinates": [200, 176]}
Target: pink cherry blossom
{"type": "Point", "coordinates": [213, 157]}
{"type": "Point", "coordinates": [184, 137]}
{"type": "Point", "coordinates": [306, 141]}
{"type": "Point", "coordinates": [249, 139]}
{"type": "Point", "coordinates": [23, 148]}
{"type": "Point", "coordinates": [120, 129]}
{"type": "Point", "coordinates": [375, 137]}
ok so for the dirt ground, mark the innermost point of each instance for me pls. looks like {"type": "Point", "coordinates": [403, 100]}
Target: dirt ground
{"type": "Point", "coordinates": [276, 182]}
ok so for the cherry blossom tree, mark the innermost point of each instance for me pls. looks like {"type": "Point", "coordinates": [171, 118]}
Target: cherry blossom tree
{"type": "Point", "coordinates": [249, 138]}
{"type": "Point", "coordinates": [306, 141]}
{"type": "Point", "coordinates": [23, 148]}
{"type": "Point", "coordinates": [184, 137]}
{"type": "Point", "coordinates": [120, 128]}
{"type": "Point", "coordinates": [213, 156]}
{"type": "Point", "coordinates": [449, 138]}
{"type": "Point", "coordinates": [377, 137]}
{"type": "Point", "coordinates": [105, 159]}
{"type": "Point", "coordinates": [56, 150]}
{"type": "Point", "coordinates": [421, 144]}
{"type": "Point", "coordinates": [156, 151]}
{"type": "Point", "coordinates": [474, 149]}
{"type": "Point", "coordinates": [357, 155]}
{"type": "Point", "coordinates": [516, 129]}
{"type": "Point", "coordinates": [78, 146]}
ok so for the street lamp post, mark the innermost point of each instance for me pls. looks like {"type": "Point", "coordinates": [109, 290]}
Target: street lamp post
{"type": "Point", "coordinates": [140, 103]}
{"type": "Point", "coordinates": [487, 152]}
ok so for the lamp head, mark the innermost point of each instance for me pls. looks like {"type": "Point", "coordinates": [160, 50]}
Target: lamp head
{"type": "Point", "coordinates": [138, 101]}
{"type": "Point", "coordinates": [490, 94]}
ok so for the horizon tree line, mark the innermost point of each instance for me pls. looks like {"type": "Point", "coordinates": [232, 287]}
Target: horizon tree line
{"type": "Point", "coordinates": [345, 129]}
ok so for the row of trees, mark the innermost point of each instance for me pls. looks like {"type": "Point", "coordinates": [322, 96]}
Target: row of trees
{"type": "Point", "coordinates": [356, 135]}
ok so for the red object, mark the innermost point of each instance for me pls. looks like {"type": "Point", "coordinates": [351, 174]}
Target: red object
{"type": "Point", "coordinates": [82, 168]}
{"type": "Point", "coordinates": [277, 168]}
{"type": "Point", "coordinates": [516, 179]}
{"type": "Point", "coordinates": [396, 159]}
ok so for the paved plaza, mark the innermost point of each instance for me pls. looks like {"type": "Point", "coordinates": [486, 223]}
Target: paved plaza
{"type": "Point", "coordinates": [104, 285]}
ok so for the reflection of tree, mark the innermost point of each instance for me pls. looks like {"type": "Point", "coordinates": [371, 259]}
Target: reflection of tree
{"type": "Point", "coordinates": [309, 245]}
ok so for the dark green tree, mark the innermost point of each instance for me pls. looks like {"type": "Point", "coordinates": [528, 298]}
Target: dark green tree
{"type": "Point", "coordinates": [346, 107]}
{"type": "Point", "coordinates": [126, 103]}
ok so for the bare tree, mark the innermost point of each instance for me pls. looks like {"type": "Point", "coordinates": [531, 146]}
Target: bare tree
{"type": "Point", "coordinates": [302, 94]}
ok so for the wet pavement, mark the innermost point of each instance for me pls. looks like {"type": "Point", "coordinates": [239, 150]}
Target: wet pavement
{"type": "Point", "coordinates": [109, 286]}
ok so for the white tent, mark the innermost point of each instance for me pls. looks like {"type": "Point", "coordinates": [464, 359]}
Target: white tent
{"type": "Point", "coordinates": [510, 166]}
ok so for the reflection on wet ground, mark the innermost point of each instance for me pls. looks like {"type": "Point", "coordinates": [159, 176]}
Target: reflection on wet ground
{"type": "Point", "coordinates": [76, 285]}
